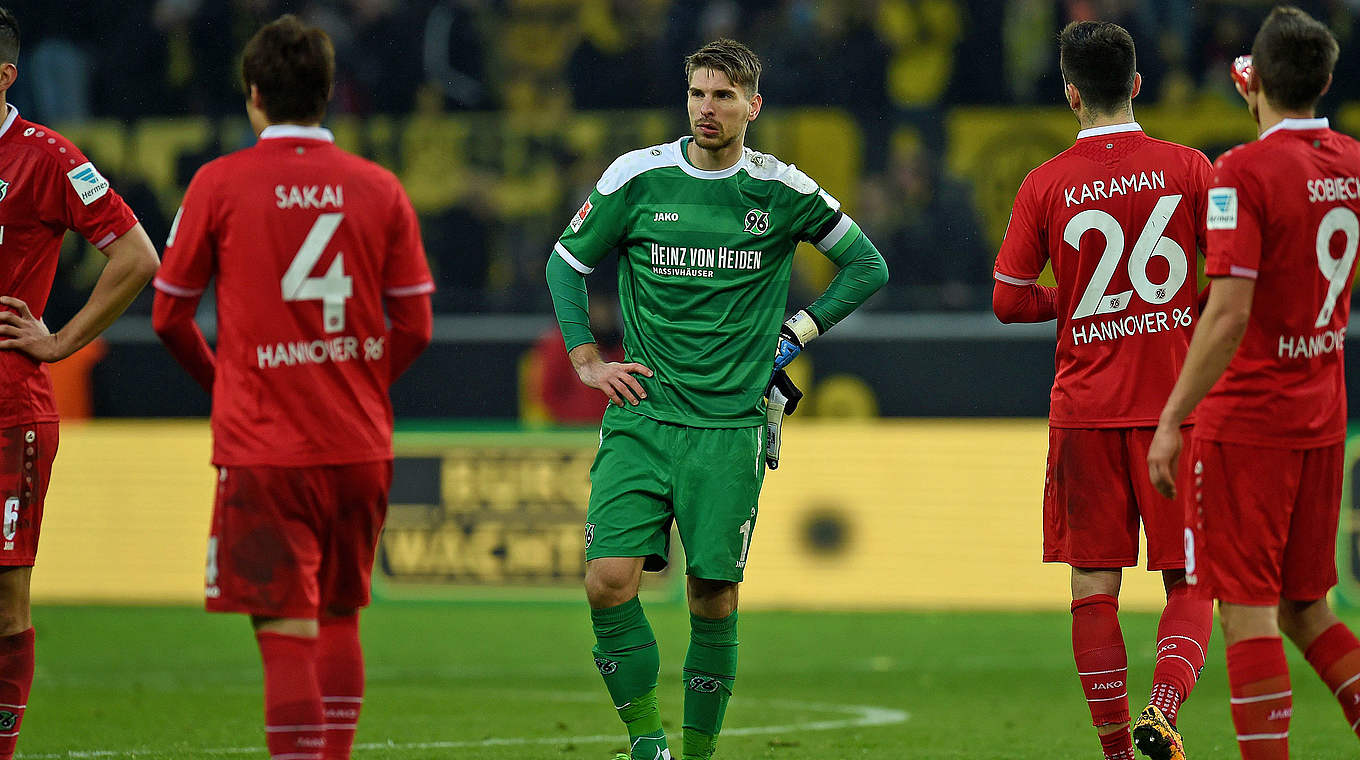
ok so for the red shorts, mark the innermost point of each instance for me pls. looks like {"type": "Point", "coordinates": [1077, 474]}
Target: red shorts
{"type": "Point", "coordinates": [1096, 488]}
{"type": "Point", "coordinates": [1262, 522]}
{"type": "Point", "coordinates": [294, 541]}
{"type": "Point", "coordinates": [26, 454]}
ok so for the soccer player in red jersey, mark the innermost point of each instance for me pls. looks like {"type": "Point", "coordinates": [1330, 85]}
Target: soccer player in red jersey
{"type": "Point", "coordinates": [1118, 216]}
{"type": "Point", "coordinates": [1264, 376]}
{"type": "Point", "coordinates": [46, 187]}
{"type": "Point", "coordinates": [313, 251]}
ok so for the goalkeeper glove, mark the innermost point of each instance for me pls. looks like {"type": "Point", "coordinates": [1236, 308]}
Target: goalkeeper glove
{"type": "Point", "coordinates": [783, 398]}
{"type": "Point", "coordinates": [794, 336]}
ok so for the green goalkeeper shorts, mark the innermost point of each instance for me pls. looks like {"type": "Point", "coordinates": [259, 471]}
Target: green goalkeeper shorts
{"type": "Point", "coordinates": [649, 474]}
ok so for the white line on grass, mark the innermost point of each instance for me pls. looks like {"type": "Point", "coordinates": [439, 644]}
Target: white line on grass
{"type": "Point", "coordinates": [858, 716]}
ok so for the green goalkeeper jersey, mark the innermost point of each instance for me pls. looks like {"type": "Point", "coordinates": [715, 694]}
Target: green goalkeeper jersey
{"type": "Point", "coordinates": [705, 259]}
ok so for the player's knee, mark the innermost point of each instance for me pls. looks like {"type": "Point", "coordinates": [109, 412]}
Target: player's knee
{"type": "Point", "coordinates": [1302, 621]}
{"type": "Point", "coordinates": [712, 599]}
{"type": "Point", "coordinates": [609, 585]}
{"type": "Point", "coordinates": [14, 620]}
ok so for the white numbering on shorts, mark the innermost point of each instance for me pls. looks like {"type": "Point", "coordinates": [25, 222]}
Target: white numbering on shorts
{"type": "Point", "coordinates": [1151, 243]}
{"type": "Point", "coordinates": [745, 531]}
{"type": "Point", "coordinates": [11, 517]}
{"type": "Point", "coordinates": [210, 570]}
{"type": "Point", "coordinates": [333, 288]}
{"type": "Point", "coordinates": [1337, 272]}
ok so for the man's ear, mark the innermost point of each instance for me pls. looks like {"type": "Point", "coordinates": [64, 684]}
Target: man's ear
{"type": "Point", "coordinates": [9, 73]}
{"type": "Point", "coordinates": [1073, 96]}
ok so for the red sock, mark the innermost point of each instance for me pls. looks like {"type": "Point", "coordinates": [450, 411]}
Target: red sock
{"type": "Point", "coordinates": [1182, 639]}
{"type": "Point", "coordinates": [1118, 745]}
{"type": "Point", "coordinates": [1098, 646]}
{"type": "Point", "coordinates": [1262, 701]}
{"type": "Point", "coordinates": [1335, 655]}
{"type": "Point", "coordinates": [16, 676]}
{"type": "Point", "coordinates": [292, 698]}
{"type": "Point", "coordinates": [340, 668]}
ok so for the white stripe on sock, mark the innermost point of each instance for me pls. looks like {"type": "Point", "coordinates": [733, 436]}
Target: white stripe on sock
{"type": "Point", "coordinates": [1187, 638]}
{"type": "Point", "coordinates": [1261, 698]}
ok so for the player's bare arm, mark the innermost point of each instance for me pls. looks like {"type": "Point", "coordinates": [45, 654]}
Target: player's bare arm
{"type": "Point", "coordinates": [615, 379]}
{"type": "Point", "coordinates": [1215, 341]}
{"type": "Point", "coordinates": [131, 265]}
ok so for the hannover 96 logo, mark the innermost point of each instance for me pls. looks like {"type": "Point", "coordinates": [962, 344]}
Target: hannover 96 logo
{"type": "Point", "coordinates": [703, 684]}
{"type": "Point", "coordinates": [757, 221]}
{"type": "Point", "coordinates": [606, 666]}
{"type": "Point", "coordinates": [8, 720]}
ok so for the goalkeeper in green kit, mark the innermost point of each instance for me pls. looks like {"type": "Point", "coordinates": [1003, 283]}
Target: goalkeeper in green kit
{"type": "Point", "coordinates": [706, 229]}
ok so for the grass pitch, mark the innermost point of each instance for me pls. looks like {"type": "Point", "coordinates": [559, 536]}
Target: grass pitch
{"type": "Point", "coordinates": [500, 681]}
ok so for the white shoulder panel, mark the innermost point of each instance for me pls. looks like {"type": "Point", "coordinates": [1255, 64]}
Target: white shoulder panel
{"type": "Point", "coordinates": [635, 162]}
{"type": "Point", "coordinates": [767, 167]}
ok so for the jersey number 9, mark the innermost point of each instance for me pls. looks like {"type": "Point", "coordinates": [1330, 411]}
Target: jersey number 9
{"type": "Point", "coordinates": [1337, 272]}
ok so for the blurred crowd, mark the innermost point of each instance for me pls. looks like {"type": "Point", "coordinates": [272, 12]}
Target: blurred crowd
{"type": "Point", "coordinates": [895, 66]}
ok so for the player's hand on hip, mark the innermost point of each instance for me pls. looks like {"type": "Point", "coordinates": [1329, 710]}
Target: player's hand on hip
{"type": "Point", "coordinates": [21, 331]}
{"type": "Point", "coordinates": [794, 335]}
{"type": "Point", "coordinates": [616, 379]}
{"type": "Point", "coordinates": [1163, 455]}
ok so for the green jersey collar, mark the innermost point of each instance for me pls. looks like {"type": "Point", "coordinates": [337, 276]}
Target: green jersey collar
{"type": "Point", "coordinates": [681, 147]}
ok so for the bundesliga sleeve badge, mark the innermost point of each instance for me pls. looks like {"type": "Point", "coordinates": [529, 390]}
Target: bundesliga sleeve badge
{"type": "Point", "coordinates": [579, 219]}
{"type": "Point", "coordinates": [1222, 208]}
{"type": "Point", "coordinates": [89, 184]}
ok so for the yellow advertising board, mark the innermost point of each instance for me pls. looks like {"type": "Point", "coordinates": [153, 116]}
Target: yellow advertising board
{"type": "Point", "coordinates": [875, 514]}
{"type": "Point", "coordinates": [127, 513]}
{"type": "Point", "coordinates": [911, 513]}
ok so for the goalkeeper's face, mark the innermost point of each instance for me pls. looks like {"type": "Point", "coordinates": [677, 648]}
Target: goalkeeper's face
{"type": "Point", "coordinates": [719, 110]}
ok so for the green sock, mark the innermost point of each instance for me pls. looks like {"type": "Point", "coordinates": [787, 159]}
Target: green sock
{"type": "Point", "coordinates": [626, 655]}
{"type": "Point", "coordinates": [710, 671]}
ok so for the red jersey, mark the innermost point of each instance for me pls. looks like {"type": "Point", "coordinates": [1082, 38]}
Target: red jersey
{"type": "Point", "coordinates": [47, 187]}
{"type": "Point", "coordinates": [1119, 215]}
{"type": "Point", "coordinates": [1283, 211]}
{"type": "Point", "coordinates": [305, 240]}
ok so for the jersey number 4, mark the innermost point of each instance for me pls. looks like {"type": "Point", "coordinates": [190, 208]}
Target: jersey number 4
{"type": "Point", "coordinates": [1150, 243]}
{"type": "Point", "coordinates": [331, 289]}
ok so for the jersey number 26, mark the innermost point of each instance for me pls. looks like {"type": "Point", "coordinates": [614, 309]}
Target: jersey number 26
{"type": "Point", "coordinates": [1150, 243]}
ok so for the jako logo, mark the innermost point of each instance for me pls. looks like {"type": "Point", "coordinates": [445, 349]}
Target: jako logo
{"type": "Point", "coordinates": [1165, 648]}
{"type": "Point", "coordinates": [1108, 685]}
{"type": "Point", "coordinates": [666, 216]}
{"type": "Point", "coordinates": [1284, 713]}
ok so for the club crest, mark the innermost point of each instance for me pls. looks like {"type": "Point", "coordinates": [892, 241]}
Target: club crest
{"type": "Point", "coordinates": [757, 221]}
